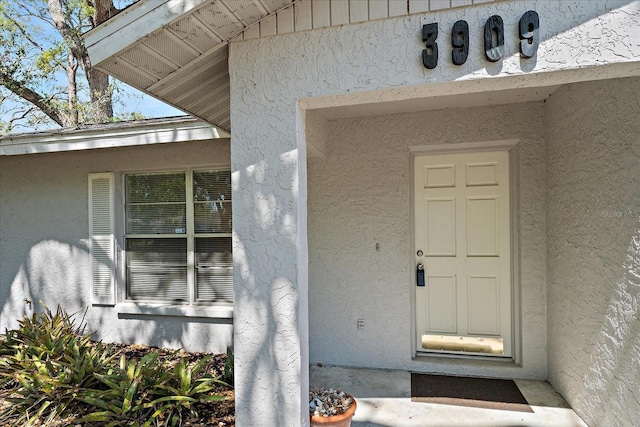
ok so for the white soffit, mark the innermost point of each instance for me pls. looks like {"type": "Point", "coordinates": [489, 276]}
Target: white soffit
{"type": "Point", "coordinates": [177, 50]}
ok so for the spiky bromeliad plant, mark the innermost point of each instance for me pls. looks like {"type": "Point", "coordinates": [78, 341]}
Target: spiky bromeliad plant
{"type": "Point", "coordinates": [51, 374]}
{"type": "Point", "coordinates": [44, 365]}
{"type": "Point", "coordinates": [145, 393]}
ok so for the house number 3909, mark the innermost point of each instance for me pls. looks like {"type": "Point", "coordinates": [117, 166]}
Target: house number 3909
{"type": "Point", "coordinates": [528, 31]}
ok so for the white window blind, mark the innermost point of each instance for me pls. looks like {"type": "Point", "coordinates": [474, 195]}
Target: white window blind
{"type": "Point", "coordinates": [212, 201]}
{"type": "Point", "coordinates": [178, 237]}
{"type": "Point", "coordinates": [101, 234]}
{"type": "Point", "coordinates": [156, 204]}
{"type": "Point", "coordinates": [157, 269]}
{"type": "Point", "coordinates": [214, 269]}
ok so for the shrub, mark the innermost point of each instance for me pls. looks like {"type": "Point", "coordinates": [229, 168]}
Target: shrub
{"type": "Point", "coordinates": [143, 392]}
{"type": "Point", "coordinates": [49, 371]}
{"type": "Point", "coordinates": [44, 365]}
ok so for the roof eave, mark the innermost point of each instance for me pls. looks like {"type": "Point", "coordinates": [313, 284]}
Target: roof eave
{"type": "Point", "coordinates": [177, 50]}
{"type": "Point", "coordinates": [132, 24]}
{"type": "Point", "coordinates": [145, 132]}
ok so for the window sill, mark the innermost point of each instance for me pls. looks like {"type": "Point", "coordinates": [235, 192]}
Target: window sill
{"type": "Point", "coordinates": [211, 311]}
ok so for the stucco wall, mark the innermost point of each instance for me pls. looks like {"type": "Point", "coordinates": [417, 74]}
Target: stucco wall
{"type": "Point", "coordinates": [359, 195]}
{"type": "Point", "coordinates": [274, 80]}
{"type": "Point", "coordinates": [44, 232]}
{"type": "Point", "coordinates": [593, 217]}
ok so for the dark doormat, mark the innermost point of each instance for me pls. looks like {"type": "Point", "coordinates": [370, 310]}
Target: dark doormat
{"type": "Point", "coordinates": [466, 391]}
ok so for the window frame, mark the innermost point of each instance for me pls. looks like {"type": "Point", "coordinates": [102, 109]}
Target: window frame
{"type": "Point", "coordinates": [175, 307]}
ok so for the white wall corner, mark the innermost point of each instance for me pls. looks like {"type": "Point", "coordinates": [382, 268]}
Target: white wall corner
{"type": "Point", "coordinates": [314, 130]}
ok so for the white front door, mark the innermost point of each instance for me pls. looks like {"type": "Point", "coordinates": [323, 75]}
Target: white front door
{"type": "Point", "coordinates": [463, 243]}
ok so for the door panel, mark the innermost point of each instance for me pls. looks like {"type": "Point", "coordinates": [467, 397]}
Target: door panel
{"type": "Point", "coordinates": [441, 304]}
{"type": "Point", "coordinates": [440, 231]}
{"type": "Point", "coordinates": [479, 174]}
{"type": "Point", "coordinates": [483, 307]}
{"type": "Point", "coordinates": [440, 176]}
{"type": "Point", "coordinates": [482, 226]}
{"type": "Point", "coordinates": [462, 226]}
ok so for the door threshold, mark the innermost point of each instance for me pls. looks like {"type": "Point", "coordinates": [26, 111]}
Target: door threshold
{"type": "Point", "coordinates": [435, 354]}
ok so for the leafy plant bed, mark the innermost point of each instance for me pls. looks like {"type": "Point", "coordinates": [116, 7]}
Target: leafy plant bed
{"type": "Point", "coordinates": [52, 375]}
{"type": "Point", "coordinates": [215, 414]}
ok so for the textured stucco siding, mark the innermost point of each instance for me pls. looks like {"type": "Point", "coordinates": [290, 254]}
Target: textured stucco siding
{"type": "Point", "coordinates": [360, 196]}
{"type": "Point", "coordinates": [274, 80]}
{"type": "Point", "coordinates": [44, 235]}
{"type": "Point", "coordinates": [593, 217]}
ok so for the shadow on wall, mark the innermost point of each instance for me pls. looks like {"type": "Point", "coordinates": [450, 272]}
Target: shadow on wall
{"type": "Point", "coordinates": [170, 331]}
{"type": "Point", "coordinates": [51, 273]}
{"type": "Point", "coordinates": [57, 273]}
{"type": "Point", "coordinates": [615, 368]}
{"type": "Point", "coordinates": [265, 293]}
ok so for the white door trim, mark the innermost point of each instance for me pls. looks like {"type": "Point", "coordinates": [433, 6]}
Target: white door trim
{"type": "Point", "coordinates": [510, 145]}
{"type": "Point", "coordinates": [464, 147]}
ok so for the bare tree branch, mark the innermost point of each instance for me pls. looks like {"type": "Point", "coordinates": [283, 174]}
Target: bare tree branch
{"type": "Point", "coordinates": [19, 115]}
{"type": "Point", "coordinates": [33, 97]}
{"type": "Point", "coordinates": [24, 33]}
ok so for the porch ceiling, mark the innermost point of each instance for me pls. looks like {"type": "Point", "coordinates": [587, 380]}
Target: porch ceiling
{"type": "Point", "coordinates": [177, 50]}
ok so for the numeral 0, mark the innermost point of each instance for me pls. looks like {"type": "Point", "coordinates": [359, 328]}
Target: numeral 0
{"type": "Point", "coordinates": [494, 38]}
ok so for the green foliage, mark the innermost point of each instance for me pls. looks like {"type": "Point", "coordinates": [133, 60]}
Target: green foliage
{"type": "Point", "coordinates": [125, 117]}
{"type": "Point", "coordinates": [49, 371]}
{"type": "Point", "coordinates": [142, 392]}
{"type": "Point", "coordinates": [174, 395]}
{"type": "Point", "coordinates": [44, 366]}
{"type": "Point", "coordinates": [32, 52]}
{"type": "Point", "coordinates": [122, 399]}
{"type": "Point", "coordinates": [228, 367]}
{"type": "Point", "coordinates": [49, 60]}
{"type": "Point", "coordinates": [36, 59]}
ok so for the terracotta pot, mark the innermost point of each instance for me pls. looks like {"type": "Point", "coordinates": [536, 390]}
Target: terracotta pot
{"type": "Point", "coordinates": [340, 420]}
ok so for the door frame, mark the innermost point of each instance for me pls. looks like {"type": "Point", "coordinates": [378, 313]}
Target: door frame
{"type": "Point", "coordinates": [511, 146]}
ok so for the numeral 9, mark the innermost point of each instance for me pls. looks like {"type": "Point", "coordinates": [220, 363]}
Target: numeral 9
{"type": "Point", "coordinates": [460, 42]}
{"type": "Point", "coordinates": [529, 34]}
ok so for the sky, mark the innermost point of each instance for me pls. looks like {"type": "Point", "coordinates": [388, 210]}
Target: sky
{"type": "Point", "coordinates": [148, 105]}
{"type": "Point", "coordinates": [129, 99]}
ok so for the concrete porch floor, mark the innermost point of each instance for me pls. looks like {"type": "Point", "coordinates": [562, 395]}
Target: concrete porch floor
{"type": "Point", "coordinates": [384, 400]}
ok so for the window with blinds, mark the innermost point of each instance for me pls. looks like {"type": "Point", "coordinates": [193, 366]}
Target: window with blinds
{"type": "Point", "coordinates": [178, 237]}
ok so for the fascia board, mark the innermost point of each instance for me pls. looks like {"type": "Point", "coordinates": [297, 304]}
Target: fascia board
{"type": "Point", "coordinates": [87, 140]}
{"type": "Point", "coordinates": [132, 24]}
